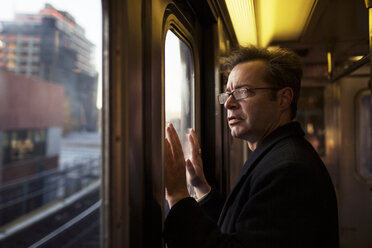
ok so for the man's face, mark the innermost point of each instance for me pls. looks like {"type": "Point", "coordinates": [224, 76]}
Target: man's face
{"type": "Point", "coordinates": [251, 118]}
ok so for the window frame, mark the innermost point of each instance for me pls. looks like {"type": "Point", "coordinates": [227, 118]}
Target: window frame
{"type": "Point", "coordinates": [175, 22]}
{"type": "Point", "coordinates": [358, 136]}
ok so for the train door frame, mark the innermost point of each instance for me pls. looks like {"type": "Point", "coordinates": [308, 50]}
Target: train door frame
{"type": "Point", "coordinates": [123, 188]}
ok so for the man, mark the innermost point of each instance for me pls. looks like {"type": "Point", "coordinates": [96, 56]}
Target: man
{"type": "Point", "coordinates": [284, 196]}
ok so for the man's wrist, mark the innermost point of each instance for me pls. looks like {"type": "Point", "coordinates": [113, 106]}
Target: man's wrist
{"type": "Point", "coordinates": [202, 190]}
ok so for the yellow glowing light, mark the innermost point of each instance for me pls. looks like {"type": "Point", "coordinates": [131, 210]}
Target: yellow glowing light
{"type": "Point", "coordinates": [310, 128]}
{"type": "Point", "coordinates": [263, 21]}
{"type": "Point", "coordinates": [356, 58]}
{"type": "Point", "coordinates": [242, 16]}
{"type": "Point", "coordinates": [329, 62]}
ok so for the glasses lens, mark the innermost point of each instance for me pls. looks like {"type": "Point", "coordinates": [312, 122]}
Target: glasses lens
{"type": "Point", "coordinates": [242, 93]}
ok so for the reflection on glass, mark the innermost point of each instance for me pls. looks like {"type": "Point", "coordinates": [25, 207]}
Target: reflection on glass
{"type": "Point", "coordinates": [50, 141]}
{"type": "Point", "coordinates": [179, 88]}
{"type": "Point", "coordinates": [364, 165]}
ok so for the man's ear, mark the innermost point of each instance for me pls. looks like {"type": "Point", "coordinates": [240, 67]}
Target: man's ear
{"type": "Point", "coordinates": [285, 96]}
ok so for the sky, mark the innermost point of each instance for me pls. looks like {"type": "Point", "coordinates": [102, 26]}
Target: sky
{"type": "Point", "coordinates": [87, 13]}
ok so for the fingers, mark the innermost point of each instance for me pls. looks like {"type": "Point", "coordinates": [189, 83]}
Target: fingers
{"type": "Point", "coordinates": [194, 144]}
{"type": "Point", "coordinates": [194, 138]}
{"type": "Point", "coordinates": [168, 151]}
{"type": "Point", "coordinates": [190, 168]}
{"type": "Point", "coordinates": [175, 172]}
{"type": "Point", "coordinates": [174, 142]}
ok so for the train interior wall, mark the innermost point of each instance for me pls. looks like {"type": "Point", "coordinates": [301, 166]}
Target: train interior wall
{"type": "Point", "coordinates": [340, 155]}
{"type": "Point", "coordinates": [355, 196]}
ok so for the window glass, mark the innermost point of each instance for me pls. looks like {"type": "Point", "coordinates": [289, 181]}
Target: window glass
{"type": "Point", "coordinates": [364, 136]}
{"type": "Point", "coordinates": [179, 88]}
{"type": "Point", "coordinates": [50, 123]}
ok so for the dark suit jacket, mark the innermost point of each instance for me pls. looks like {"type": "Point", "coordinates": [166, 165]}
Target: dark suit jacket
{"type": "Point", "coordinates": [283, 198]}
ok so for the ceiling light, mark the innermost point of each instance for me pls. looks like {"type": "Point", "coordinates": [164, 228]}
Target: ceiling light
{"type": "Point", "coordinates": [260, 22]}
{"type": "Point", "coordinates": [242, 15]}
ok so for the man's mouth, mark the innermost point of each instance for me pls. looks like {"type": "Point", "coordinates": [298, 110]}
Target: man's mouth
{"type": "Point", "coordinates": [233, 119]}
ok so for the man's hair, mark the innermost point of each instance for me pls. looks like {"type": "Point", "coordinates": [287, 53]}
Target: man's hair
{"type": "Point", "coordinates": [284, 68]}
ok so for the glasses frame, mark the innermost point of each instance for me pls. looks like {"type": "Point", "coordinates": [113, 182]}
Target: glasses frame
{"type": "Point", "coordinates": [248, 89]}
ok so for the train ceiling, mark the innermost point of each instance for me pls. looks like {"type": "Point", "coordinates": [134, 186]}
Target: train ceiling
{"type": "Point", "coordinates": [313, 28]}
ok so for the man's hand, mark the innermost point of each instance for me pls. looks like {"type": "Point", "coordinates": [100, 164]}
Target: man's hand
{"type": "Point", "coordinates": [175, 172]}
{"type": "Point", "coordinates": [195, 167]}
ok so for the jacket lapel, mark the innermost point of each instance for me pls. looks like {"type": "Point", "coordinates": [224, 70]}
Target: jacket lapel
{"type": "Point", "coordinates": [290, 129]}
{"type": "Point", "coordinates": [247, 168]}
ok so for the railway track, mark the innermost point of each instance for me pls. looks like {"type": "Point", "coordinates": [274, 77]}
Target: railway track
{"type": "Point", "coordinates": [68, 227]}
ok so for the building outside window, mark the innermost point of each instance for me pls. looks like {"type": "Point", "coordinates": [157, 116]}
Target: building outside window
{"type": "Point", "coordinates": [50, 127]}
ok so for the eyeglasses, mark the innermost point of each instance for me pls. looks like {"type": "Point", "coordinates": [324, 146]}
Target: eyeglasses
{"type": "Point", "coordinates": [241, 93]}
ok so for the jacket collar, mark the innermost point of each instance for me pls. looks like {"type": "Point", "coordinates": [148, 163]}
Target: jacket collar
{"type": "Point", "coordinates": [287, 130]}
{"type": "Point", "coordinates": [282, 132]}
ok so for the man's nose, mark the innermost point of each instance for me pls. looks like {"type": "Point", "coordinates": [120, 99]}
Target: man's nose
{"type": "Point", "coordinates": [231, 103]}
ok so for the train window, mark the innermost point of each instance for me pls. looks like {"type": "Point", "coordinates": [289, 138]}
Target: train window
{"type": "Point", "coordinates": [179, 87]}
{"type": "Point", "coordinates": [364, 135]}
{"type": "Point", "coordinates": [50, 123]}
